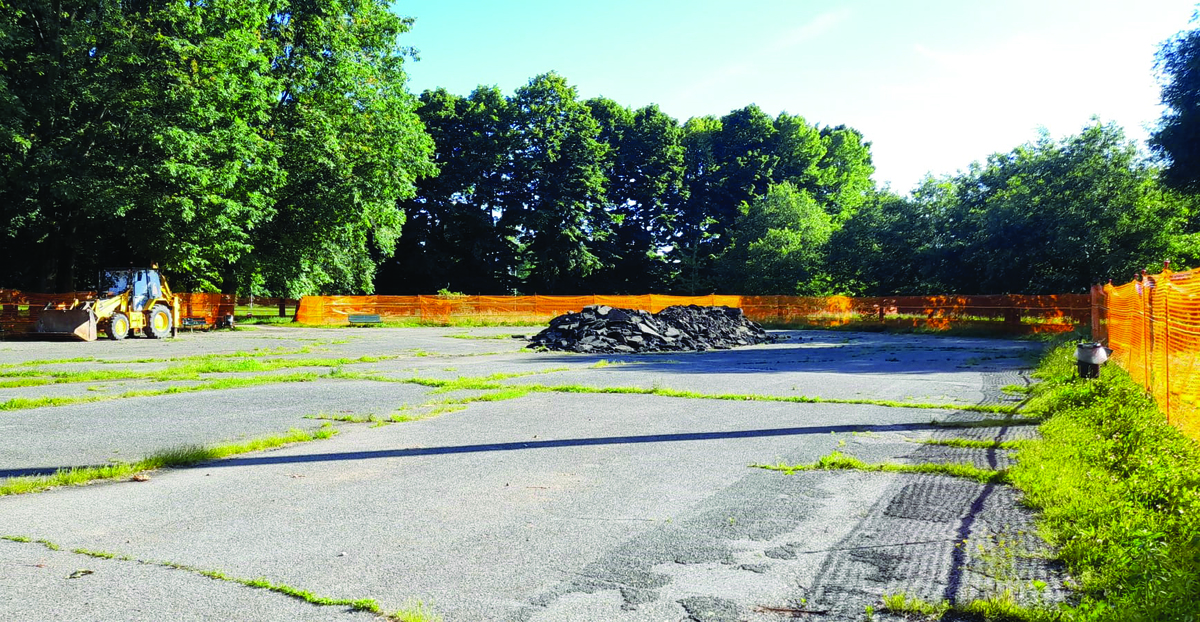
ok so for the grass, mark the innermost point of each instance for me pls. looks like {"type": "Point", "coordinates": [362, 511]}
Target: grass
{"type": "Point", "coordinates": [492, 383]}
{"type": "Point", "coordinates": [470, 336]}
{"type": "Point", "coordinates": [988, 423]}
{"type": "Point", "coordinates": [839, 461]}
{"type": "Point", "coordinates": [190, 368]}
{"type": "Point", "coordinates": [414, 611]}
{"type": "Point", "coordinates": [972, 444]}
{"type": "Point", "coordinates": [1118, 491]}
{"type": "Point", "coordinates": [22, 403]}
{"type": "Point", "coordinates": [1002, 607]}
{"type": "Point", "coordinates": [177, 457]}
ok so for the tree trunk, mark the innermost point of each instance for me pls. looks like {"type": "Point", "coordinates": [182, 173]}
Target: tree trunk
{"type": "Point", "coordinates": [229, 283]}
{"type": "Point", "coordinates": [65, 275]}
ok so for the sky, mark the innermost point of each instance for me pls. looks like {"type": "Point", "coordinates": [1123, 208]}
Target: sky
{"type": "Point", "coordinates": [932, 85]}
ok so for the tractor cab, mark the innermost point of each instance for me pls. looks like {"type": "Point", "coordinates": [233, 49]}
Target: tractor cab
{"type": "Point", "coordinates": [144, 285]}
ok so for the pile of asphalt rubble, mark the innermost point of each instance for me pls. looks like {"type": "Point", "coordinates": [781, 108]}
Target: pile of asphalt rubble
{"type": "Point", "coordinates": [606, 330]}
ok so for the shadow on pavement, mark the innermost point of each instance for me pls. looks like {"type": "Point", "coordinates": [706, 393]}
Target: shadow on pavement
{"type": "Point", "coordinates": [855, 358]}
{"type": "Point", "coordinates": [570, 442]}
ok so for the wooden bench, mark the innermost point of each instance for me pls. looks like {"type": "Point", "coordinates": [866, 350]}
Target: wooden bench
{"type": "Point", "coordinates": [194, 322]}
{"type": "Point", "coordinates": [365, 318]}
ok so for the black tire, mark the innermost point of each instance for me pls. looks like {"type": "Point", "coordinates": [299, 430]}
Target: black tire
{"type": "Point", "coordinates": [117, 327]}
{"type": "Point", "coordinates": [158, 322]}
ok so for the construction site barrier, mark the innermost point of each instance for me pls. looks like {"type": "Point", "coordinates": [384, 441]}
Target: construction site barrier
{"type": "Point", "coordinates": [1011, 313]}
{"type": "Point", "coordinates": [1152, 325]}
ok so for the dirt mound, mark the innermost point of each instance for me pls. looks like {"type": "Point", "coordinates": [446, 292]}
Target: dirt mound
{"type": "Point", "coordinates": [602, 329]}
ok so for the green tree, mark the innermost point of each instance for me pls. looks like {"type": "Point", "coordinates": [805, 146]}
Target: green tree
{"type": "Point", "coordinates": [1177, 139]}
{"type": "Point", "coordinates": [556, 208]}
{"type": "Point", "coordinates": [778, 243]}
{"type": "Point", "coordinates": [890, 245]}
{"type": "Point", "coordinates": [1052, 217]}
{"type": "Point", "coordinates": [128, 135]}
{"type": "Point", "coordinates": [452, 239]}
{"type": "Point", "coordinates": [350, 143]}
{"type": "Point", "coordinates": [644, 171]}
{"type": "Point", "coordinates": [230, 141]}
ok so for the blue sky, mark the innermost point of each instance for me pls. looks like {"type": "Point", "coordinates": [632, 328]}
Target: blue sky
{"type": "Point", "coordinates": [933, 85]}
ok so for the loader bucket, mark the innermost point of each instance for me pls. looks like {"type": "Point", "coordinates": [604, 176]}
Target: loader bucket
{"type": "Point", "coordinates": [74, 323]}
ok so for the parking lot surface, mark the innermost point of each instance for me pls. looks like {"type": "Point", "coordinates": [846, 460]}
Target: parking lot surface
{"type": "Point", "coordinates": [475, 480]}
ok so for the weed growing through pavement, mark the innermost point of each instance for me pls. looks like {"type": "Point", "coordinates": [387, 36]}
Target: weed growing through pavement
{"type": "Point", "coordinates": [1003, 606]}
{"type": "Point", "coordinates": [968, 443]}
{"type": "Point", "coordinates": [178, 457]}
{"type": "Point", "coordinates": [413, 611]}
{"type": "Point", "coordinates": [988, 423]}
{"type": "Point", "coordinates": [22, 403]}
{"type": "Point", "coordinates": [839, 461]}
{"type": "Point", "coordinates": [1017, 389]}
{"type": "Point", "coordinates": [470, 336]}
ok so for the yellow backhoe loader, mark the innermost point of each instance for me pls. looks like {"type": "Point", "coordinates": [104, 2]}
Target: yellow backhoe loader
{"type": "Point", "coordinates": [134, 299]}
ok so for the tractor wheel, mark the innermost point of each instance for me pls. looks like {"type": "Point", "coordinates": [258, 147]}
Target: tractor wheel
{"type": "Point", "coordinates": [118, 327]}
{"type": "Point", "coordinates": [158, 322]}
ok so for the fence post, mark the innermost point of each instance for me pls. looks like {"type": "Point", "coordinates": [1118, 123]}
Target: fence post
{"type": "Point", "coordinates": [1166, 277]}
{"type": "Point", "coordinates": [1094, 301]}
{"type": "Point", "coordinates": [1147, 341]}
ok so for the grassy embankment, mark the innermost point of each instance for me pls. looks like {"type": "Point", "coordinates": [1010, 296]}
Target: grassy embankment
{"type": "Point", "coordinates": [1118, 490]}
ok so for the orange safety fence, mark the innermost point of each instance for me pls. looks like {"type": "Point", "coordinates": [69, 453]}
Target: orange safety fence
{"type": "Point", "coordinates": [1152, 326]}
{"type": "Point", "coordinates": [1012, 313]}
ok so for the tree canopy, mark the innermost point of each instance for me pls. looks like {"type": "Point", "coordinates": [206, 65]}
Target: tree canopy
{"type": "Point", "coordinates": [228, 141]}
{"type": "Point", "coordinates": [272, 146]}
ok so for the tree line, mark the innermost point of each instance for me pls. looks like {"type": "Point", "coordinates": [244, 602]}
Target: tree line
{"type": "Point", "coordinates": [272, 147]}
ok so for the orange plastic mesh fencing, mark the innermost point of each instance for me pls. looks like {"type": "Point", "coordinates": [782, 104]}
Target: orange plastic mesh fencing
{"type": "Point", "coordinates": [207, 307]}
{"type": "Point", "coordinates": [1016, 314]}
{"type": "Point", "coordinates": [19, 310]}
{"type": "Point", "coordinates": [1152, 326]}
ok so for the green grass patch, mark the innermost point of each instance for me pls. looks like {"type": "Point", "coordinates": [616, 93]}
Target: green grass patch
{"type": "Point", "coordinates": [492, 383]}
{"type": "Point", "coordinates": [1118, 490]}
{"type": "Point", "coordinates": [971, 444]}
{"type": "Point", "coordinates": [22, 403]}
{"type": "Point", "coordinates": [177, 457]}
{"type": "Point", "coordinates": [745, 397]}
{"type": "Point", "coordinates": [840, 461]}
{"type": "Point", "coordinates": [414, 611]}
{"type": "Point", "coordinates": [1017, 389]}
{"type": "Point", "coordinates": [1002, 607]}
{"type": "Point", "coordinates": [470, 336]}
{"type": "Point", "coordinates": [988, 423]}
{"type": "Point", "coordinates": [23, 382]}
{"type": "Point", "coordinates": [345, 418]}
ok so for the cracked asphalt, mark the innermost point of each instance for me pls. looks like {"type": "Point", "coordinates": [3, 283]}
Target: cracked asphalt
{"type": "Point", "coordinates": [550, 506]}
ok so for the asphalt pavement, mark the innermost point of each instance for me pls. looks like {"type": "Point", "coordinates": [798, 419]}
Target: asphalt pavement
{"type": "Point", "coordinates": [546, 506]}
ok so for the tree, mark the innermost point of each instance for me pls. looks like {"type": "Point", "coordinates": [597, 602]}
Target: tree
{"type": "Point", "coordinates": [697, 233]}
{"type": "Point", "coordinates": [128, 134]}
{"type": "Point", "coordinates": [1177, 139]}
{"type": "Point", "coordinates": [557, 177]}
{"type": "Point", "coordinates": [644, 171]}
{"type": "Point", "coordinates": [890, 245]}
{"type": "Point", "coordinates": [350, 143]}
{"type": "Point", "coordinates": [778, 243]}
{"type": "Point", "coordinates": [230, 141]}
{"type": "Point", "coordinates": [1052, 217]}
{"type": "Point", "coordinates": [452, 239]}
